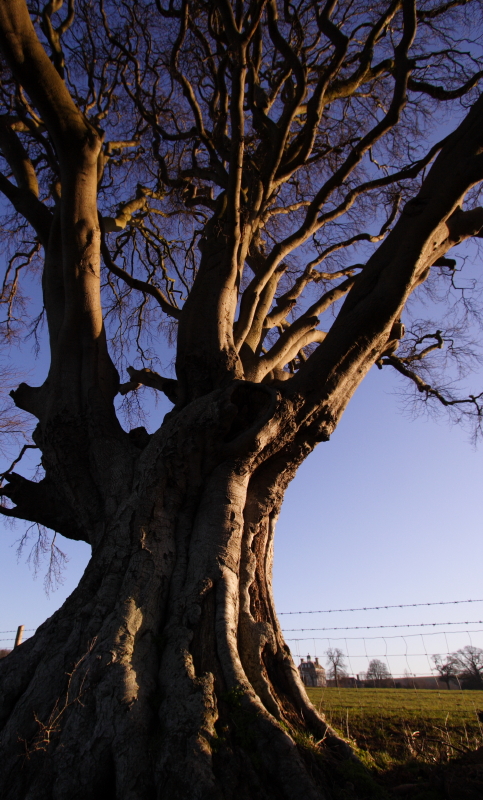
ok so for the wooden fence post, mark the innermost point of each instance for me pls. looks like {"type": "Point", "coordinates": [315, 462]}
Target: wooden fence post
{"type": "Point", "coordinates": [19, 636]}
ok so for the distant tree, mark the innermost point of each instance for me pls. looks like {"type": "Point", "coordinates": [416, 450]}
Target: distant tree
{"type": "Point", "coordinates": [336, 664]}
{"type": "Point", "coordinates": [377, 672]}
{"type": "Point", "coordinates": [447, 670]}
{"type": "Point", "coordinates": [469, 666]}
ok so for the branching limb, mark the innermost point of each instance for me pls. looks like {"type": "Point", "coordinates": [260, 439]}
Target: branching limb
{"type": "Point", "coordinates": [25, 195]}
{"type": "Point", "coordinates": [403, 260]}
{"type": "Point", "coordinates": [437, 11]}
{"type": "Point", "coordinates": [40, 502]}
{"type": "Point", "coordinates": [440, 93]}
{"type": "Point", "coordinates": [301, 147]}
{"type": "Point", "coordinates": [7, 472]}
{"type": "Point", "coordinates": [359, 237]}
{"type": "Point", "coordinates": [135, 283]}
{"type": "Point", "coordinates": [418, 356]}
{"type": "Point", "coordinates": [286, 301]}
{"type": "Point", "coordinates": [54, 35]}
{"type": "Point", "coordinates": [147, 377]}
{"type": "Point", "coordinates": [400, 365]}
{"type": "Point", "coordinates": [290, 343]}
{"type": "Point", "coordinates": [29, 207]}
{"type": "Point", "coordinates": [298, 92]}
{"type": "Point", "coordinates": [127, 210]}
{"type": "Point", "coordinates": [41, 80]}
{"type": "Point", "coordinates": [312, 222]}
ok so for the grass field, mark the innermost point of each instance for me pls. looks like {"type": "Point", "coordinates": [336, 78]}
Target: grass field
{"type": "Point", "coordinates": [395, 724]}
{"type": "Point", "coordinates": [418, 743]}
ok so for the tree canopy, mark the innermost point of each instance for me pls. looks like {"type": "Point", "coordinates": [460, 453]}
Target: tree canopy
{"type": "Point", "coordinates": [287, 134]}
{"type": "Point", "coordinates": [464, 666]}
{"type": "Point", "coordinates": [377, 671]}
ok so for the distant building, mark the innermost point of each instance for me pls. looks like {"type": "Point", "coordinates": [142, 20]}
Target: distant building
{"type": "Point", "coordinates": [312, 673]}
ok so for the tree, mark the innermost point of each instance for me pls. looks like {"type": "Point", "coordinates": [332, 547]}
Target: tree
{"type": "Point", "coordinates": [336, 664]}
{"type": "Point", "coordinates": [468, 663]}
{"type": "Point", "coordinates": [447, 670]}
{"type": "Point", "coordinates": [377, 672]}
{"type": "Point", "coordinates": [216, 173]}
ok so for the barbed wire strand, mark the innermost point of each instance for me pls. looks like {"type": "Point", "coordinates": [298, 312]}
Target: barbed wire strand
{"type": "Point", "coordinates": [379, 608]}
{"type": "Point", "coordinates": [362, 638]}
{"type": "Point", "coordinates": [15, 631]}
{"type": "Point", "coordinates": [380, 627]}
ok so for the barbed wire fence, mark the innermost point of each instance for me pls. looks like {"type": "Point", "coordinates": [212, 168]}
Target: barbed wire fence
{"type": "Point", "coordinates": [10, 642]}
{"type": "Point", "coordinates": [409, 655]}
{"type": "Point", "coordinates": [380, 608]}
{"type": "Point", "coordinates": [359, 650]}
{"type": "Point", "coordinates": [320, 643]}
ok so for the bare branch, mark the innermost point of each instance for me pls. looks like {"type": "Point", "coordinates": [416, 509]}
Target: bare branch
{"type": "Point", "coordinates": [135, 283]}
{"type": "Point", "coordinates": [474, 401]}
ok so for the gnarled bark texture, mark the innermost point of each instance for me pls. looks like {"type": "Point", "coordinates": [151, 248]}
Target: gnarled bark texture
{"type": "Point", "coordinates": [165, 674]}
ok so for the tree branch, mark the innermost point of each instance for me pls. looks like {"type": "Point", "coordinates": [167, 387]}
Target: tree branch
{"type": "Point", "coordinates": [41, 503]}
{"type": "Point", "coordinates": [35, 72]}
{"type": "Point", "coordinates": [135, 283]}
{"type": "Point", "coordinates": [312, 222]}
{"type": "Point", "coordinates": [147, 377]}
{"type": "Point", "coordinates": [400, 364]}
{"type": "Point", "coordinates": [301, 333]}
{"type": "Point", "coordinates": [439, 92]}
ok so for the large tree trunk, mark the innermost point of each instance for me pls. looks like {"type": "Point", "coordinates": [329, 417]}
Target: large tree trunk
{"type": "Point", "coordinates": [165, 673]}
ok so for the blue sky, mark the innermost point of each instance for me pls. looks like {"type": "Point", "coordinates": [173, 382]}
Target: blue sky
{"type": "Point", "coordinates": [388, 512]}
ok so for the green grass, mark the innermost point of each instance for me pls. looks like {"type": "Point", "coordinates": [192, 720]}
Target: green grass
{"type": "Point", "coordinates": [395, 726]}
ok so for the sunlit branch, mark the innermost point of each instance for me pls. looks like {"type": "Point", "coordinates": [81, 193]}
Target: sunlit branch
{"type": "Point", "coordinates": [312, 221]}
{"type": "Point", "coordinates": [54, 35]}
{"type": "Point", "coordinates": [301, 147]}
{"type": "Point", "coordinates": [301, 333]}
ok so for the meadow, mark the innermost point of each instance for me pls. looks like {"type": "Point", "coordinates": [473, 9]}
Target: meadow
{"type": "Point", "coordinates": [401, 721]}
{"type": "Point", "coordinates": [425, 740]}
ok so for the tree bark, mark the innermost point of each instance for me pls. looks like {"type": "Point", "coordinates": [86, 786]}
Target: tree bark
{"type": "Point", "coordinates": [165, 673]}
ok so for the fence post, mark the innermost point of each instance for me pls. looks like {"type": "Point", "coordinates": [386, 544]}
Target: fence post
{"type": "Point", "coordinates": [19, 636]}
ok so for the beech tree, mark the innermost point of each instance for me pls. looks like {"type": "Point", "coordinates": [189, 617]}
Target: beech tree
{"type": "Point", "coordinates": [377, 672]}
{"type": "Point", "coordinates": [266, 184]}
